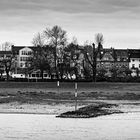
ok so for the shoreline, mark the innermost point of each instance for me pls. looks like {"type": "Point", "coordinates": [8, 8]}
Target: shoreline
{"type": "Point", "coordinates": [57, 109]}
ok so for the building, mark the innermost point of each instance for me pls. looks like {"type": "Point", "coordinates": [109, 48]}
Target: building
{"type": "Point", "coordinates": [134, 63]}
{"type": "Point", "coordinates": [22, 55]}
{"type": "Point", "coordinates": [107, 59]}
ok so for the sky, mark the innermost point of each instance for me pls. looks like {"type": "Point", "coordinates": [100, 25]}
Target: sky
{"type": "Point", "coordinates": [117, 20]}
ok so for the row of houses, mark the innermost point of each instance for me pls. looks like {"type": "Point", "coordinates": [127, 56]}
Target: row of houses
{"type": "Point", "coordinates": [129, 58]}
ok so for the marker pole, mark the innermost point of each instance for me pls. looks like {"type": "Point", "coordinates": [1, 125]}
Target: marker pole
{"type": "Point", "coordinates": [58, 84]}
{"type": "Point", "coordinates": [75, 96]}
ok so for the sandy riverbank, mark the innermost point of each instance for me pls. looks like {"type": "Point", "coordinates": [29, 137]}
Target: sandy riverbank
{"type": "Point", "coordinates": [55, 109]}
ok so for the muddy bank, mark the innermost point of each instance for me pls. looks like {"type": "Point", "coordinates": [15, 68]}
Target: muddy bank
{"type": "Point", "coordinates": [89, 111]}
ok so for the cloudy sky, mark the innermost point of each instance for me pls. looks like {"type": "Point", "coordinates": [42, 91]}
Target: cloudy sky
{"type": "Point", "coordinates": [117, 20]}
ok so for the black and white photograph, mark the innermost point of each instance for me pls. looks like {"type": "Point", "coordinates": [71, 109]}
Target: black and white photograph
{"type": "Point", "coordinates": [69, 70]}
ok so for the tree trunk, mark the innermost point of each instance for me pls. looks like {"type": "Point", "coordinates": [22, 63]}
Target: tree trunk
{"type": "Point", "coordinates": [42, 77]}
{"type": "Point", "coordinates": [94, 63]}
{"type": "Point", "coordinates": [7, 74]}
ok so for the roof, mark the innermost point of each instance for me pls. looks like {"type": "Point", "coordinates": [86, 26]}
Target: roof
{"type": "Point", "coordinates": [5, 52]}
{"type": "Point", "coordinates": [15, 49]}
{"type": "Point", "coordinates": [135, 55]}
{"type": "Point", "coordinates": [121, 53]}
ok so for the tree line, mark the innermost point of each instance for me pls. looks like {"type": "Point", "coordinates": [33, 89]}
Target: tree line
{"type": "Point", "coordinates": [55, 55]}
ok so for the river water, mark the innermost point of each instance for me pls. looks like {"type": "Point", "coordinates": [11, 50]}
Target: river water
{"type": "Point", "coordinates": [47, 127]}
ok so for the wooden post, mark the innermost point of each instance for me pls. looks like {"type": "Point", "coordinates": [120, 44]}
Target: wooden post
{"type": "Point", "coordinates": [76, 96]}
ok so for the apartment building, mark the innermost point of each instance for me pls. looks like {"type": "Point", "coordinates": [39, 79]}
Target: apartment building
{"type": "Point", "coordinates": [22, 55]}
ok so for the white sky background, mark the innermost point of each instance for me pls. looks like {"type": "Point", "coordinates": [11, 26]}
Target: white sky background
{"type": "Point", "coordinates": [117, 20]}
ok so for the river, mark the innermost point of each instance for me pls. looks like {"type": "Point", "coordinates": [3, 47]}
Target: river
{"type": "Point", "coordinates": [48, 127]}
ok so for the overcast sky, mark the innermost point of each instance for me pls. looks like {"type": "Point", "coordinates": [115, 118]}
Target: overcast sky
{"type": "Point", "coordinates": [117, 20]}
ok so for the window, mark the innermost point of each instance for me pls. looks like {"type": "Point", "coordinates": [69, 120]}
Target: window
{"type": "Point", "coordinates": [33, 75]}
{"type": "Point", "coordinates": [139, 65]}
{"type": "Point", "coordinates": [21, 65]}
{"type": "Point", "coordinates": [133, 60]}
{"type": "Point", "coordinates": [133, 65]}
{"type": "Point", "coordinates": [45, 75]}
{"type": "Point", "coordinates": [26, 52]}
{"type": "Point", "coordinates": [29, 53]}
{"type": "Point", "coordinates": [23, 52]}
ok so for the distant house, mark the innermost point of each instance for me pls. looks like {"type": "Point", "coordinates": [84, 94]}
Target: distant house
{"type": "Point", "coordinates": [134, 63]}
{"type": "Point", "coordinates": [106, 59]}
{"type": "Point", "coordinates": [113, 58]}
{"type": "Point", "coordinates": [22, 55]}
{"type": "Point", "coordinates": [121, 57]}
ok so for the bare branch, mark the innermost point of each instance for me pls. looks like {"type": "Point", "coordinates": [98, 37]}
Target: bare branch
{"type": "Point", "coordinates": [99, 38]}
{"type": "Point", "coordinates": [38, 40]}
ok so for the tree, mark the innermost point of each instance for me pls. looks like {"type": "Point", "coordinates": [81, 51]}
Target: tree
{"type": "Point", "coordinates": [7, 60]}
{"type": "Point", "coordinates": [137, 72]}
{"type": "Point", "coordinates": [114, 72]}
{"type": "Point", "coordinates": [57, 37]}
{"type": "Point", "coordinates": [91, 53]}
{"type": "Point", "coordinates": [127, 72]}
{"type": "Point", "coordinates": [71, 58]}
{"type": "Point", "coordinates": [38, 40]}
{"type": "Point", "coordinates": [1, 70]}
{"type": "Point", "coordinates": [7, 63]}
{"type": "Point", "coordinates": [41, 60]}
{"type": "Point", "coordinates": [6, 46]}
{"type": "Point", "coordinates": [101, 73]}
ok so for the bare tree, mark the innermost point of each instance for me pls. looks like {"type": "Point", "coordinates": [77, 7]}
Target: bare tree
{"type": "Point", "coordinates": [91, 53]}
{"type": "Point", "coordinates": [57, 38]}
{"type": "Point", "coordinates": [99, 38]}
{"type": "Point", "coordinates": [38, 40]}
{"type": "Point", "coordinates": [99, 41]}
{"type": "Point", "coordinates": [6, 46]}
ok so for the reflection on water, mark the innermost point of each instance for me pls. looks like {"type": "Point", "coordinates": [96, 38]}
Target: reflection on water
{"type": "Point", "coordinates": [45, 127]}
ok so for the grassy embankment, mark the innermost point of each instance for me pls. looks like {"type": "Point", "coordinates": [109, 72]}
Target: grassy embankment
{"type": "Point", "coordinates": [19, 96]}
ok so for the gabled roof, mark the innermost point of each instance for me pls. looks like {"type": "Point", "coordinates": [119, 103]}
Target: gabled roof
{"type": "Point", "coordinates": [107, 57]}
{"type": "Point", "coordinates": [17, 48]}
{"type": "Point", "coordinates": [121, 52]}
